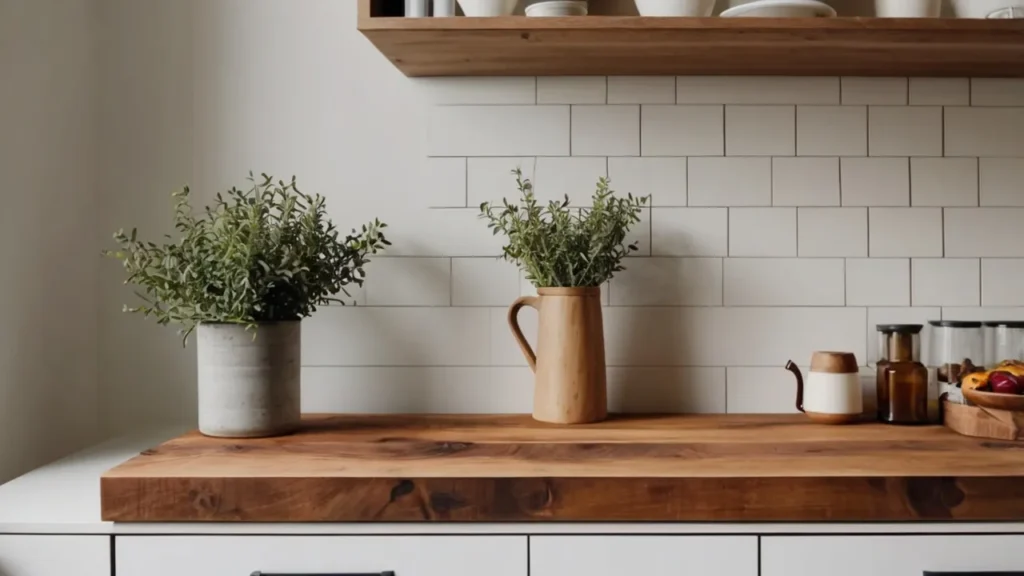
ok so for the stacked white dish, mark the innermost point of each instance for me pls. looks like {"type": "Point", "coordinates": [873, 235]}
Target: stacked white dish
{"type": "Point", "coordinates": [557, 8]}
{"type": "Point", "coordinates": [692, 8]}
{"type": "Point", "coordinates": [781, 9]}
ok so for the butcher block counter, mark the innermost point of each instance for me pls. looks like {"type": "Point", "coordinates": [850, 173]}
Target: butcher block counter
{"type": "Point", "coordinates": [512, 469]}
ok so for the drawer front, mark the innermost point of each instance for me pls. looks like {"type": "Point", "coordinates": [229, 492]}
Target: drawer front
{"type": "Point", "coordinates": [648, 555]}
{"type": "Point", "coordinates": [54, 555]}
{"type": "Point", "coordinates": [243, 555]}
{"type": "Point", "coordinates": [889, 555]}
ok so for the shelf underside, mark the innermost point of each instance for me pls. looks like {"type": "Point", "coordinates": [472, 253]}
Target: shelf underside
{"type": "Point", "coordinates": [624, 45]}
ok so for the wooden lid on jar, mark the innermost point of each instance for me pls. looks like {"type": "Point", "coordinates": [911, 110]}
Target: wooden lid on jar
{"type": "Point", "coordinates": [834, 362]}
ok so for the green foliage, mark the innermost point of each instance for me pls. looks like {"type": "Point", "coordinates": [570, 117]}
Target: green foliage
{"type": "Point", "coordinates": [561, 246]}
{"type": "Point", "coordinates": [264, 255]}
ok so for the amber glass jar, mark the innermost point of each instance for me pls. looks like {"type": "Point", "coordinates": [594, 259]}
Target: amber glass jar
{"type": "Point", "coordinates": [901, 380]}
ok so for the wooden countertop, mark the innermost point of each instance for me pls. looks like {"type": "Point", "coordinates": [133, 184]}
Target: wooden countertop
{"type": "Point", "coordinates": [510, 468]}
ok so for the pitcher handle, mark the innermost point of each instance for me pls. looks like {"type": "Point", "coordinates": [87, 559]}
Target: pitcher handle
{"type": "Point", "coordinates": [513, 322]}
{"type": "Point", "coordinates": [799, 384]}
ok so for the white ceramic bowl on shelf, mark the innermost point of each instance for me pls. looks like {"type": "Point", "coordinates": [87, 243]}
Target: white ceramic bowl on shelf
{"type": "Point", "coordinates": [982, 8]}
{"type": "Point", "coordinates": [487, 8]}
{"type": "Point", "coordinates": [694, 8]}
{"type": "Point", "coordinates": [781, 9]}
{"type": "Point", "coordinates": [908, 8]}
{"type": "Point", "coordinates": [555, 8]}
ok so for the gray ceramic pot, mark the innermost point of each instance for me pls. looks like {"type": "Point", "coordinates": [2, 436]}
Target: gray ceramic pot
{"type": "Point", "coordinates": [249, 388]}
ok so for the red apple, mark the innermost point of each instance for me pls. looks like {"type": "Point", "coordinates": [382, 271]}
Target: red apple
{"type": "Point", "coordinates": [1004, 383]}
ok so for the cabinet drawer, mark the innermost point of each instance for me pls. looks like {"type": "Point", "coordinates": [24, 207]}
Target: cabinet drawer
{"type": "Point", "coordinates": [52, 555]}
{"type": "Point", "coordinates": [651, 555]}
{"type": "Point", "coordinates": [243, 555]}
{"type": "Point", "coordinates": [889, 555]}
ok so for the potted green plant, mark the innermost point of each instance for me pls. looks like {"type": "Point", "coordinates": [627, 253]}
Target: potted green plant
{"type": "Point", "coordinates": [567, 253]}
{"type": "Point", "coordinates": [242, 274]}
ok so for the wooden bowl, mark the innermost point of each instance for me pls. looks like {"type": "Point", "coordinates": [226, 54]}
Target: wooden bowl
{"type": "Point", "coordinates": [1009, 402]}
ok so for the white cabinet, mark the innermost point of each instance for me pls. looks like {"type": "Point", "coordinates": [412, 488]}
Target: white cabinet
{"type": "Point", "coordinates": [54, 555]}
{"type": "Point", "coordinates": [890, 555]}
{"type": "Point", "coordinates": [243, 555]}
{"type": "Point", "coordinates": [646, 555]}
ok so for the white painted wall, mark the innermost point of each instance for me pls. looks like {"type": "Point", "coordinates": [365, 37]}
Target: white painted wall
{"type": "Point", "coordinates": [48, 256]}
{"type": "Point", "coordinates": [789, 214]}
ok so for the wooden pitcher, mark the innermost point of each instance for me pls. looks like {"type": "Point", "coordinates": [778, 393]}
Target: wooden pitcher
{"type": "Point", "coordinates": [569, 362]}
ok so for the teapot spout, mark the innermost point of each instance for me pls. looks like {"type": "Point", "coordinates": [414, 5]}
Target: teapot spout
{"type": "Point", "coordinates": [792, 367]}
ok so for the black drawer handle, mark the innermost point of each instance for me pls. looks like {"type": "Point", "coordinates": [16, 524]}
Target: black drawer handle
{"type": "Point", "coordinates": [389, 573]}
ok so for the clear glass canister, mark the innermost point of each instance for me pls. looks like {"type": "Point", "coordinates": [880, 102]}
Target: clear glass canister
{"type": "Point", "coordinates": [956, 346]}
{"type": "Point", "coordinates": [901, 381]}
{"type": "Point", "coordinates": [1003, 341]}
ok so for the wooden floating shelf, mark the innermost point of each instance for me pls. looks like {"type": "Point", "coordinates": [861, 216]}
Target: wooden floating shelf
{"type": "Point", "coordinates": [632, 45]}
{"type": "Point", "coordinates": [631, 468]}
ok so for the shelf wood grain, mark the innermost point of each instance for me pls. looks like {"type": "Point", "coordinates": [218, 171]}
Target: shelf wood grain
{"type": "Point", "coordinates": [511, 468]}
{"type": "Point", "coordinates": [633, 45]}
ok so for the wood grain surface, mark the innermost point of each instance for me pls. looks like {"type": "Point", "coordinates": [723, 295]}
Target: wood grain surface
{"type": "Point", "coordinates": [511, 468]}
{"type": "Point", "coordinates": [632, 45]}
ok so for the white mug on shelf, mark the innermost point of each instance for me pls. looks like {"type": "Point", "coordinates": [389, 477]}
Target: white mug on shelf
{"type": "Point", "coordinates": [908, 8]}
{"type": "Point", "coordinates": [444, 8]}
{"type": "Point", "coordinates": [487, 8]}
{"type": "Point", "coordinates": [982, 8]}
{"type": "Point", "coordinates": [415, 8]}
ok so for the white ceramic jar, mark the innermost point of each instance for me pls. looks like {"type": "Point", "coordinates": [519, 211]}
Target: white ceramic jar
{"type": "Point", "coordinates": [908, 8]}
{"type": "Point", "coordinates": [695, 8]}
{"type": "Point", "coordinates": [487, 8]}
{"type": "Point", "coordinates": [982, 8]}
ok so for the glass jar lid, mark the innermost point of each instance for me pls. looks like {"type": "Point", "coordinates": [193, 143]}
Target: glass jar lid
{"type": "Point", "coordinates": [955, 323]}
{"type": "Point", "coordinates": [900, 328]}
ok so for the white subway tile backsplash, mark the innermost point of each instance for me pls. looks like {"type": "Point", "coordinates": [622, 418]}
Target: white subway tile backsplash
{"type": "Point", "coordinates": [491, 179]}
{"type": "Point", "coordinates": [575, 177]}
{"type": "Point", "coordinates": [784, 282]}
{"type": "Point", "coordinates": [875, 181]}
{"type": "Point", "coordinates": [997, 92]}
{"type": "Point", "coordinates": [446, 182]}
{"type": "Point", "coordinates": [370, 336]}
{"type": "Point", "coordinates": [805, 181]}
{"type": "Point", "coordinates": [944, 181]}
{"type": "Point", "coordinates": [663, 179]}
{"type": "Point", "coordinates": [756, 90]}
{"type": "Point", "coordinates": [762, 390]}
{"type": "Point", "coordinates": [984, 131]}
{"type": "Point", "coordinates": [1001, 282]}
{"type": "Point", "coordinates": [760, 130]}
{"type": "Point", "coordinates": [484, 282]}
{"type": "Point", "coordinates": [690, 231]}
{"type": "Point", "coordinates": [905, 232]}
{"type": "Point", "coordinates": [439, 232]}
{"type": "Point", "coordinates": [787, 215]}
{"type": "Point", "coordinates": [831, 131]}
{"type": "Point", "coordinates": [946, 282]}
{"type": "Point", "coordinates": [1001, 181]}
{"type": "Point", "coordinates": [877, 282]}
{"type": "Point", "coordinates": [762, 232]}
{"type": "Point", "coordinates": [606, 130]}
{"type": "Point", "coordinates": [866, 90]}
{"type": "Point", "coordinates": [682, 130]}
{"type": "Point", "coordinates": [572, 90]}
{"type": "Point", "coordinates": [722, 336]}
{"type": "Point", "coordinates": [498, 131]}
{"type": "Point", "coordinates": [415, 390]}
{"type": "Point", "coordinates": [984, 232]}
{"type": "Point", "coordinates": [641, 90]}
{"type": "Point", "coordinates": [905, 130]}
{"type": "Point", "coordinates": [478, 90]}
{"type": "Point", "coordinates": [409, 282]}
{"type": "Point", "coordinates": [730, 181]}
{"type": "Point", "coordinates": [666, 390]}
{"type": "Point", "coordinates": [940, 92]}
{"type": "Point", "coordinates": [892, 315]}
{"type": "Point", "coordinates": [833, 232]}
{"type": "Point", "coordinates": [668, 282]}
